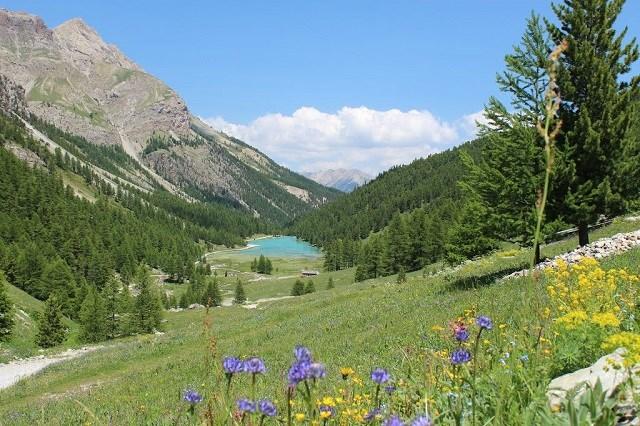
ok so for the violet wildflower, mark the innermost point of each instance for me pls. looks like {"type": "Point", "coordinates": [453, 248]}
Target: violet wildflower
{"type": "Point", "coordinates": [393, 421]}
{"type": "Point", "coordinates": [390, 389]}
{"type": "Point", "coordinates": [246, 405]}
{"type": "Point", "coordinates": [461, 334]}
{"type": "Point", "coordinates": [421, 421]}
{"type": "Point", "coordinates": [254, 366]}
{"type": "Point", "coordinates": [484, 322]}
{"type": "Point", "coordinates": [327, 411]}
{"type": "Point", "coordinates": [371, 415]}
{"type": "Point", "coordinates": [232, 365]}
{"type": "Point", "coordinates": [460, 356]}
{"type": "Point", "coordinates": [267, 408]}
{"type": "Point", "coordinates": [302, 353]}
{"type": "Point", "coordinates": [298, 372]}
{"type": "Point", "coordinates": [316, 371]}
{"type": "Point", "coordinates": [380, 376]}
{"type": "Point", "coordinates": [192, 397]}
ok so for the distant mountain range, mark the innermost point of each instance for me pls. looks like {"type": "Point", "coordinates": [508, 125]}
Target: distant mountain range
{"type": "Point", "coordinates": [84, 86]}
{"type": "Point", "coordinates": [346, 180]}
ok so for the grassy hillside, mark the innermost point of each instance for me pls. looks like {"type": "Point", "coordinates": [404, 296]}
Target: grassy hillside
{"type": "Point", "coordinates": [361, 326]}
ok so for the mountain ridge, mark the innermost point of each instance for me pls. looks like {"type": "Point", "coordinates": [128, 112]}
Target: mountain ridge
{"type": "Point", "coordinates": [345, 180]}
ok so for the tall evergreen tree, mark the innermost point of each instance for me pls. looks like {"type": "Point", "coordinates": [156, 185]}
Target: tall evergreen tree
{"type": "Point", "coordinates": [110, 296]}
{"type": "Point", "coordinates": [51, 328]}
{"type": "Point", "coordinates": [93, 317]}
{"type": "Point", "coordinates": [298, 288]}
{"type": "Point", "coordinates": [597, 111]}
{"type": "Point", "coordinates": [147, 311]}
{"type": "Point", "coordinates": [211, 296]}
{"type": "Point", "coordinates": [239, 295]}
{"type": "Point", "coordinates": [262, 265]}
{"type": "Point", "coordinates": [268, 266]}
{"type": "Point", "coordinates": [6, 310]}
{"type": "Point", "coordinates": [57, 279]}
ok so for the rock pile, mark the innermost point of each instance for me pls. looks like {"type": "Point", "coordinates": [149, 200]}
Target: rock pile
{"type": "Point", "coordinates": [602, 248]}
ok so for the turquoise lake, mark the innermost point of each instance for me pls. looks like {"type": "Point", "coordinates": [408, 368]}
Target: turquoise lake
{"type": "Point", "coordinates": [281, 247]}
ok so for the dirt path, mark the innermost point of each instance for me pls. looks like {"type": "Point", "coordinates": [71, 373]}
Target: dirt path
{"type": "Point", "coordinates": [14, 371]}
{"type": "Point", "coordinates": [254, 304]}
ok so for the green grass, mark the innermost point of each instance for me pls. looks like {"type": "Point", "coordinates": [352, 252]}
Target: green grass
{"type": "Point", "coordinates": [373, 323]}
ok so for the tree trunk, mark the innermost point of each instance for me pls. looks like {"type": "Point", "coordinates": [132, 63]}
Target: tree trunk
{"type": "Point", "coordinates": [536, 258]}
{"type": "Point", "coordinates": [583, 234]}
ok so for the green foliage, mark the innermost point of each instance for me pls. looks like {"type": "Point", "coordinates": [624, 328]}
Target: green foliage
{"type": "Point", "coordinates": [93, 317]}
{"type": "Point", "coordinates": [468, 238]}
{"type": "Point", "coordinates": [147, 310]}
{"type": "Point", "coordinates": [51, 328]}
{"type": "Point", "coordinates": [330, 283]}
{"type": "Point", "coordinates": [211, 296]}
{"type": "Point", "coordinates": [7, 319]}
{"type": "Point", "coordinates": [402, 276]}
{"type": "Point", "coordinates": [298, 288]}
{"type": "Point", "coordinates": [309, 287]}
{"type": "Point", "coordinates": [112, 307]}
{"type": "Point", "coordinates": [239, 295]}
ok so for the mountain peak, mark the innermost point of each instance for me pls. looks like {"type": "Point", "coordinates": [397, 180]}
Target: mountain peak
{"type": "Point", "coordinates": [345, 180]}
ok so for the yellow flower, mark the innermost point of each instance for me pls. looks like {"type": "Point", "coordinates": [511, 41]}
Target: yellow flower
{"type": "Point", "coordinates": [346, 372]}
{"type": "Point", "coordinates": [299, 417]}
{"type": "Point", "coordinates": [605, 319]}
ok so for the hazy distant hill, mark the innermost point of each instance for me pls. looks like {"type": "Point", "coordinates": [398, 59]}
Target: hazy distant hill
{"type": "Point", "coordinates": [346, 180]}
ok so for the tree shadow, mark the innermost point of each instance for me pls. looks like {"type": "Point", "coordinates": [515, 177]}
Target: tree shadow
{"type": "Point", "coordinates": [476, 281]}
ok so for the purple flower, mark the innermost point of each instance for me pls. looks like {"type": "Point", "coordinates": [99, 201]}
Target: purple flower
{"type": "Point", "coordinates": [393, 421]}
{"type": "Point", "coordinates": [380, 376]}
{"type": "Point", "coordinates": [298, 372]}
{"type": "Point", "coordinates": [192, 397]}
{"type": "Point", "coordinates": [421, 421]}
{"type": "Point", "coordinates": [390, 389]}
{"type": "Point", "coordinates": [371, 415]}
{"type": "Point", "coordinates": [316, 371]}
{"type": "Point", "coordinates": [254, 366]}
{"type": "Point", "coordinates": [267, 408]}
{"type": "Point", "coordinates": [246, 406]}
{"type": "Point", "coordinates": [461, 334]}
{"type": "Point", "coordinates": [232, 365]}
{"type": "Point", "coordinates": [460, 356]}
{"type": "Point", "coordinates": [327, 409]}
{"type": "Point", "coordinates": [484, 322]}
{"type": "Point", "coordinates": [302, 353]}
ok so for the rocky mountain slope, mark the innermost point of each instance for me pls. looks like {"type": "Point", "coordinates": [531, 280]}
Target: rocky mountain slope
{"type": "Point", "coordinates": [79, 83]}
{"type": "Point", "coordinates": [345, 180]}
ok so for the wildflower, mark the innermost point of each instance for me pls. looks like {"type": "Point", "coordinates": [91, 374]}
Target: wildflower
{"type": "Point", "coordinates": [393, 421]}
{"type": "Point", "coordinates": [298, 372]}
{"type": "Point", "coordinates": [421, 421]}
{"type": "Point", "coordinates": [246, 406]}
{"type": "Point", "coordinates": [346, 372]}
{"type": "Point", "coordinates": [192, 397]}
{"type": "Point", "coordinates": [316, 371]}
{"type": "Point", "coordinates": [460, 356]}
{"type": "Point", "coordinates": [372, 415]}
{"type": "Point", "coordinates": [390, 389]}
{"type": "Point", "coordinates": [267, 408]}
{"type": "Point", "coordinates": [302, 353]}
{"type": "Point", "coordinates": [299, 417]}
{"type": "Point", "coordinates": [326, 411]}
{"type": "Point", "coordinates": [524, 358]}
{"type": "Point", "coordinates": [380, 375]}
{"type": "Point", "coordinates": [484, 322]}
{"type": "Point", "coordinates": [232, 365]}
{"type": "Point", "coordinates": [461, 334]}
{"type": "Point", "coordinates": [254, 366]}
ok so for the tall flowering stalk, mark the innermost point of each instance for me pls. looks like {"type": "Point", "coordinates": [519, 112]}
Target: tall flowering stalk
{"type": "Point", "coordinates": [549, 130]}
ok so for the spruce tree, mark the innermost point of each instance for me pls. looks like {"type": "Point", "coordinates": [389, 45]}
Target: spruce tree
{"type": "Point", "coordinates": [147, 311]}
{"type": "Point", "coordinates": [211, 296]}
{"type": "Point", "coordinates": [6, 311]}
{"type": "Point", "coordinates": [268, 266]}
{"type": "Point", "coordinates": [261, 268]}
{"type": "Point", "coordinates": [240, 297]}
{"type": "Point", "coordinates": [51, 328]}
{"type": "Point", "coordinates": [596, 142]}
{"type": "Point", "coordinates": [298, 288]}
{"type": "Point", "coordinates": [330, 284]}
{"type": "Point", "coordinates": [93, 318]}
{"type": "Point", "coordinates": [110, 296]}
{"type": "Point", "coordinates": [402, 276]}
{"type": "Point", "coordinates": [254, 265]}
{"type": "Point", "coordinates": [57, 279]}
{"type": "Point", "coordinates": [310, 287]}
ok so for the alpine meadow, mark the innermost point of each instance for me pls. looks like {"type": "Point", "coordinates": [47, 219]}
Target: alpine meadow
{"type": "Point", "coordinates": [159, 267]}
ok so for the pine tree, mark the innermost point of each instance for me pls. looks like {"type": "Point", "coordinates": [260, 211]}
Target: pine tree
{"type": "Point", "coordinates": [51, 328]}
{"type": "Point", "coordinates": [468, 237]}
{"type": "Point", "coordinates": [147, 311]}
{"type": "Point", "coordinates": [240, 297]}
{"type": "Point", "coordinates": [310, 287]}
{"type": "Point", "coordinates": [262, 266]}
{"type": "Point", "coordinates": [110, 297]}
{"type": "Point", "coordinates": [57, 279]}
{"type": "Point", "coordinates": [254, 265]}
{"type": "Point", "coordinates": [298, 288]}
{"type": "Point", "coordinates": [268, 266]}
{"type": "Point", "coordinates": [126, 320]}
{"type": "Point", "coordinates": [93, 318]}
{"type": "Point", "coordinates": [212, 295]}
{"type": "Point", "coordinates": [330, 284]}
{"type": "Point", "coordinates": [6, 311]}
{"type": "Point", "coordinates": [596, 142]}
{"type": "Point", "coordinates": [402, 276]}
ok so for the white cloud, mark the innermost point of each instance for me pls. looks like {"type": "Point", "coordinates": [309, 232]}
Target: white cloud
{"type": "Point", "coordinates": [361, 138]}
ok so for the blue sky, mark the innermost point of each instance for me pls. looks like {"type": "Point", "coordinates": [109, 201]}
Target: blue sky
{"type": "Point", "coordinates": [237, 62]}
